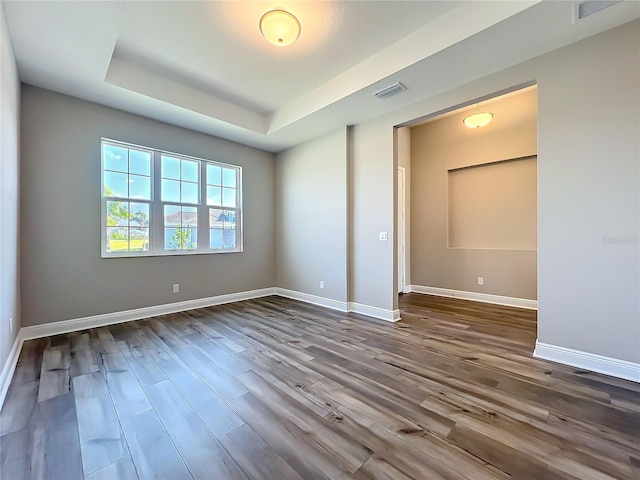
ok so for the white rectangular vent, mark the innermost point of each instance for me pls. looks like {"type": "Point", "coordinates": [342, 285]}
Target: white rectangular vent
{"type": "Point", "coordinates": [594, 6]}
{"type": "Point", "coordinates": [389, 91]}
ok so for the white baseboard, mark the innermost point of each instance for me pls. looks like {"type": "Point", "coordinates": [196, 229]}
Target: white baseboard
{"type": "Point", "coordinates": [375, 312]}
{"type": "Point", "coordinates": [73, 325]}
{"type": "Point", "coordinates": [588, 361]}
{"type": "Point", "coordinates": [10, 367]}
{"type": "Point", "coordinates": [313, 299]}
{"type": "Point", "coordinates": [94, 321]}
{"type": "Point", "coordinates": [477, 297]}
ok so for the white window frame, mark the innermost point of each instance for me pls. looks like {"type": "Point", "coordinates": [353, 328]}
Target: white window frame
{"type": "Point", "coordinates": [156, 206]}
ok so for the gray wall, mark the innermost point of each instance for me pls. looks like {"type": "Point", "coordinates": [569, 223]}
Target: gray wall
{"type": "Point", "coordinates": [589, 195]}
{"type": "Point", "coordinates": [9, 193]}
{"type": "Point", "coordinates": [63, 276]}
{"type": "Point", "coordinates": [444, 144]}
{"type": "Point", "coordinates": [311, 220]}
{"type": "Point", "coordinates": [372, 279]}
{"type": "Point", "coordinates": [588, 192]}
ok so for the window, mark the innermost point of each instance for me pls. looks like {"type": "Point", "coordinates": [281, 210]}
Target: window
{"type": "Point", "coordinates": [161, 203]}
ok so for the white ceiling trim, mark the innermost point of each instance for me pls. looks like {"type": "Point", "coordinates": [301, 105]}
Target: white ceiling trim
{"type": "Point", "coordinates": [137, 79]}
{"type": "Point", "coordinates": [452, 27]}
{"type": "Point", "coordinates": [448, 29]}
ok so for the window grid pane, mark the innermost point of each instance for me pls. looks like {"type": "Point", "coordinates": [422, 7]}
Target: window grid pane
{"type": "Point", "coordinates": [229, 177]}
{"type": "Point", "coordinates": [222, 228]}
{"type": "Point", "coordinates": [128, 207]}
{"type": "Point", "coordinates": [222, 188]}
{"type": "Point", "coordinates": [127, 227]}
{"type": "Point", "coordinates": [189, 192]}
{"type": "Point", "coordinates": [180, 180]}
{"type": "Point", "coordinates": [127, 172]}
{"type": "Point", "coordinates": [115, 158]}
{"type": "Point", "coordinates": [140, 162]}
{"type": "Point", "coordinates": [180, 227]}
{"type": "Point", "coordinates": [214, 175]}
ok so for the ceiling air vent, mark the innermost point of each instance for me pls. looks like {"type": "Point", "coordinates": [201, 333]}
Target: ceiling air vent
{"type": "Point", "coordinates": [594, 6]}
{"type": "Point", "coordinates": [389, 91]}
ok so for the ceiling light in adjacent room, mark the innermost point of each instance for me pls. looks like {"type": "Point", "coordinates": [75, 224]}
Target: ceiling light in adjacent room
{"type": "Point", "coordinates": [280, 27]}
{"type": "Point", "coordinates": [478, 119]}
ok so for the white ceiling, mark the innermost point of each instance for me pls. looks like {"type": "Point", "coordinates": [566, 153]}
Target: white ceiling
{"type": "Point", "coordinates": [204, 65]}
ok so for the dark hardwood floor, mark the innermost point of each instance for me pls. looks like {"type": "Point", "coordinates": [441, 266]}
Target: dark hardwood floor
{"type": "Point", "coordinates": [277, 389]}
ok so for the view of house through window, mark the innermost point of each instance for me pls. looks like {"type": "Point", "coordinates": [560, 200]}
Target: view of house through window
{"type": "Point", "coordinates": [160, 203]}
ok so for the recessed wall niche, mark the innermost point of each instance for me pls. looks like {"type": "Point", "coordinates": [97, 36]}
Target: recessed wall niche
{"type": "Point", "coordinates": [493, 205]}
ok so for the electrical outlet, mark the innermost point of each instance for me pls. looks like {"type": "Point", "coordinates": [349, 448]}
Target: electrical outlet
{"type": "Point", "coordinates": [321, 283]}
{"type": "Point", "coordinates": [176, 288]}
{"type": "Point", "coordinates": [11, 326]}
{"type": "Point", "coordinates": [480, 281]}
{"type": "Point", "coordinates": [384, 236]}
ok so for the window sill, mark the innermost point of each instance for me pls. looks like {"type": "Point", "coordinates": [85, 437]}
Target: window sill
{"type": "Point", "coordinates": [169, 254]}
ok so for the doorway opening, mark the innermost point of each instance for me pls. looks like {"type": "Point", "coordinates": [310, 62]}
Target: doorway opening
{"type": "Point", "coordinates": [467, 203]}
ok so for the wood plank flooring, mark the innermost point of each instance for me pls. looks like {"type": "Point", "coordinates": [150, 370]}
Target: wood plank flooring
{"type": "Point", "coordinates": [277, 389]}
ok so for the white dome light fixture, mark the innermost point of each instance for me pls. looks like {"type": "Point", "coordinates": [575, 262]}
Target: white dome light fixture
{"type": "Point", "coordinates": [478, 119]}
{"type": "Point", "coordinates": [280, 27]}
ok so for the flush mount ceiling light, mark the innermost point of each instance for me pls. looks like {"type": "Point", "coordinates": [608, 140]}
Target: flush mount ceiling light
{"type": "Point", "coordinates": [478, 119]}
{"type": "Point", "coordinates": [280, 27]}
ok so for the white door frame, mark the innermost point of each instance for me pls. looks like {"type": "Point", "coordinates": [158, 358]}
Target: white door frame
{"type": "Point", "coordinates": [402, 229]}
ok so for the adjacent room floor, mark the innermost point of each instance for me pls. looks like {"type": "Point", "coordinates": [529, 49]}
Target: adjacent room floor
{"type": "Point", "coordinates": [275, 388]}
